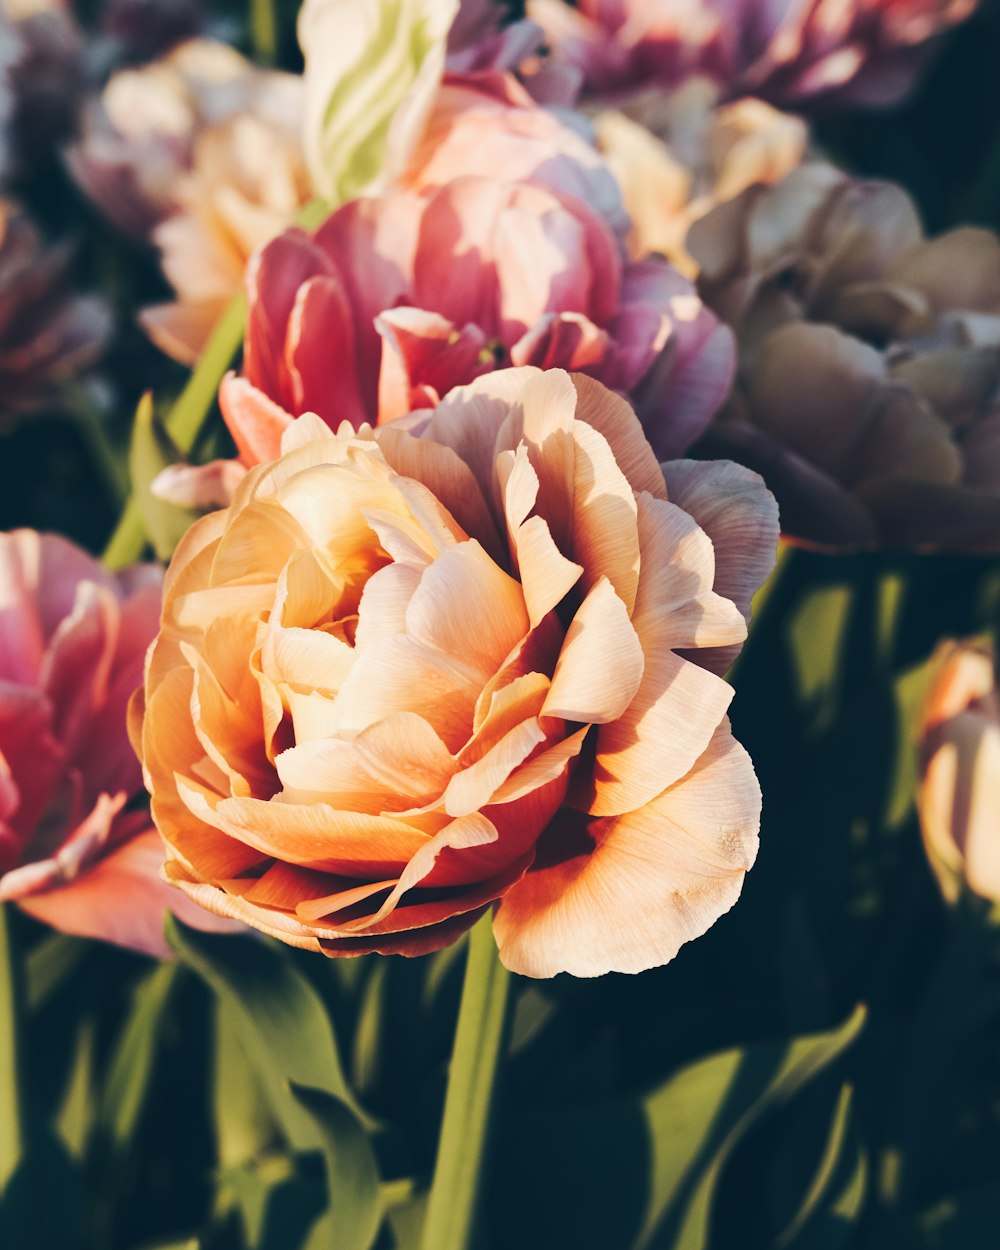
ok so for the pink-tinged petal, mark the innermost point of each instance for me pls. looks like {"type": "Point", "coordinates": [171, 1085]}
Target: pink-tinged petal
{"type": "Point", "coordinates": [202, 487]}
{"type": "Point", "coordinates": [273, 277]}
{"type": "Point", "coordinates": [123, 899]}
{"type": "Point", "coordinates": [614, 419]}
{"type": "Point", "coordinates": [78, 663]}
{"type": "Point", "coordinates": [737, 511]}
{"type": "Point", "coordinates": [656, 741]}
{"type": "Point", "coordinates": [255, 421]}
{"type": "Point", "coordinates": [326, 364]}
{"type": "Point", "coordinates": [181, 329]}
{"type": "Point", "coordinates": [32, 759]}
{"type": "Point", "coordinates": [690, 380]}
{"type": "Point", "coordinates": [53, 568]}
{"type": "Point", "coordinates": [424, 355]}
{"type": "Point", "coordinates": [562, 341]}
{"type": "Point", "coordinates": [623, 895]}
{"type": "Point", "coordinates": [454, 269]}
{"type": "Point", "coordinates": [605, 530]}
{"type": "Point", "coordinates": [372, 244]}
{"type": "Point", "coordinates": [675, 593]}
{"type": "Point", "coordinates": [466, 605]}
{"type": "Point", "coordinates": [601, 662]}
{"type": "Point", "coordinates": [447, 477]}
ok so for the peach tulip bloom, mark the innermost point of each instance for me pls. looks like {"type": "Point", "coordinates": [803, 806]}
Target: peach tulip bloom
{"type": "Point", "coordinates": [959, 801]}
{"type": "Point", "coordinates": [409, 675]}
{"type": "Point", "coordinates": [794, 53]}
{"type": "Point", "coordinates": [76, 846]}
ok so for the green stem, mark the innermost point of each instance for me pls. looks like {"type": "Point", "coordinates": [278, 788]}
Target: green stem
{"type": "Point", "coordinates": [11, 1014]}
{"type": "Point", "coordinates": [264, 30]}
{"type": "Point", "coordinates": [480, 1040]}
{"type": "Point", "coordinates": [185, 421]}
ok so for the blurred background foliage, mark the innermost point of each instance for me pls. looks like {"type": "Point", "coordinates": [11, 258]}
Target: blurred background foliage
{"type": "Point", "coordinates": [822, 1070]}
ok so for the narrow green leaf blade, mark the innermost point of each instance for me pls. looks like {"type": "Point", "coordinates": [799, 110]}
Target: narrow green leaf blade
{"type": "Point", "coordinates": [354, 1210]}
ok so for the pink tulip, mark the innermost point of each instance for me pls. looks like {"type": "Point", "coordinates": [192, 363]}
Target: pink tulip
{"type": "Point", "coordinates": [76, 845]}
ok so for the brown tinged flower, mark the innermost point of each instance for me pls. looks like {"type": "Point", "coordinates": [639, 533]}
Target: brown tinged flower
{"type": "Point", "coordinates": [412, 673]}
{"type": "Point", "coordinates": [46, 334]}
{"type": "Point", "coordinates": [675, 155]}
{"type": "Point", "coordinates": [868, 386]}
{"type": "Point", "coordinates": [959, 800]}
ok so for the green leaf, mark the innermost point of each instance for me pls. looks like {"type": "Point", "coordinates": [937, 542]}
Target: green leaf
{"type": "Point", "coordinates": [77, 1111]}
{"type": "Point", "coordinates": [184, 422]}
{"type": "Point", "coordinates": [12, 1123]}
{"type": "Point", "coordinates": [281, 1022]}
{"type": "Point", "coordinates": [132, 1063]}
{"type": "Point", "coordinates": [354, 1204]}
{"type": "Point", "coordinates": [151, 452]}
{"type": "Point", "coordinates": [49, 964]}
{"type": "Point", "coordinates": [244, 1126]}
{"type": "Point", "coordinates": [275, 1204]}
{"type": "Point", "coordinates": [836, 1192]}
{"type": "Point", "coordinates": [697, 1119]}
{"type": "Point", "coordinates": [662, 1154]}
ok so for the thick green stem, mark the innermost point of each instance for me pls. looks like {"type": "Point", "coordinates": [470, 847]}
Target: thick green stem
{"type": "Point", "coordinates": [185, 421]}
{"type": "Point", "coordinates": [11, 1014]}
{"type": "Point", "coordinates": [480, 1040]}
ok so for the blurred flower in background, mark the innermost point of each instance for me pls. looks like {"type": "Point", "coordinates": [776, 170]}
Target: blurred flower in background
{"type": "Point", "coordinates": [48, 334]}
{"type": "Point", "coordinates": [868, 388]}
{"type": "Point", "coordinates": [675, 155]}
{"type": "Point", "coordinates": [403, 677]}
{"type": "Point", "coordinates": [201, 153]}
{"type": "Point", "coordinates": [41, 79]}
{"type": "Point", "coordinates": [959, 800]}
{"type": "Point", "coordinates": [807, 53]}
{"type": "Point", "coordinates": [76, 846]}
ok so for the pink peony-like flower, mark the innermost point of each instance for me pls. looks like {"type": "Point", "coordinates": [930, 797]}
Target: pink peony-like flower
{"type": "Point", "coordinates": [403, 677]}
{"type": "Point", "coordinates": [401, 297]}
{"type": "Point", "coordinates": [76, 846]}
{"type": "Point", "coordinates": [793, 52]}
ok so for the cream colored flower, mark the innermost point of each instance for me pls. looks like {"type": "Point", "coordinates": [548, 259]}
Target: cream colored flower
{"type": "Point", "coordinates": [959, 799]}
